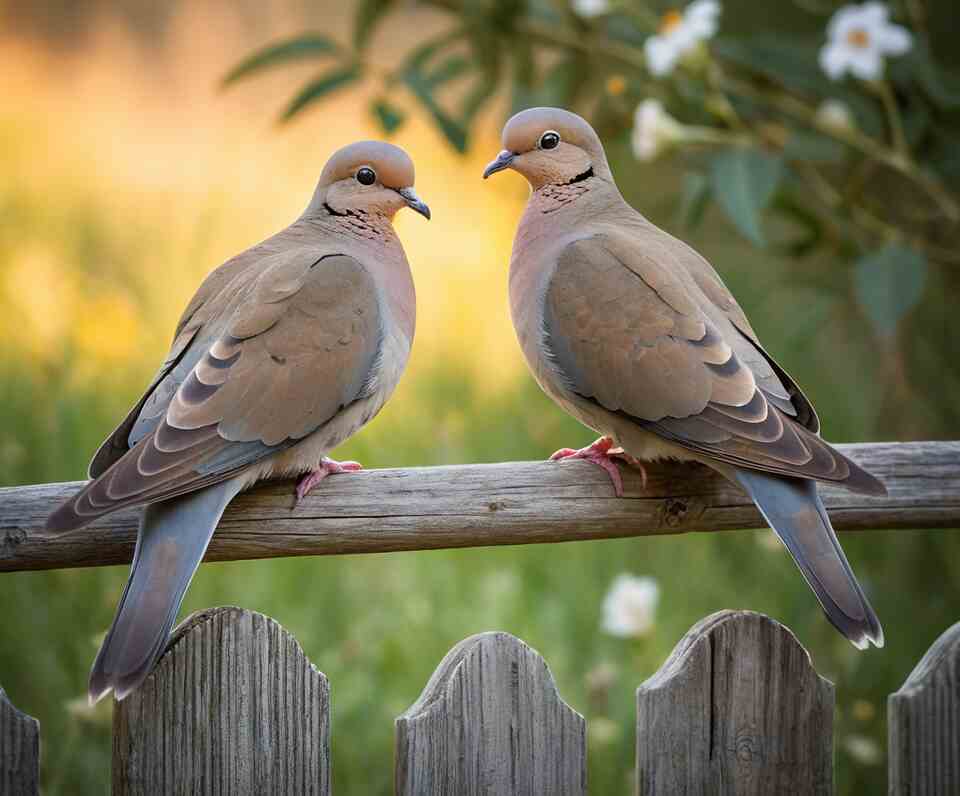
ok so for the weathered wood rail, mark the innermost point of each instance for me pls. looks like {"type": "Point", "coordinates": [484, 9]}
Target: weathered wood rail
{"type": "Point", "coordinates": [489, 504]}
{"type": "Point", "coordinates": [234, 706]}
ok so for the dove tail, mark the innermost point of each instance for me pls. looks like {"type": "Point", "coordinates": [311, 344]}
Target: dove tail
{"type": "Point", "coordinates": [794, 510]}
{"type": "Point", "coordinates": [173, 537]}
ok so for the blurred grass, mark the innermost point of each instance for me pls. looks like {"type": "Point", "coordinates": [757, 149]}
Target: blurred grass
{"type": "Point", "coordinates": [109, 223]}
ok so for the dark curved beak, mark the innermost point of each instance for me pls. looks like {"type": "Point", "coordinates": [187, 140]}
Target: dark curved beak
{"type": "Point", "coordinates": [414, 202]}
{"type": "Point", "coordinates": [503, 161]}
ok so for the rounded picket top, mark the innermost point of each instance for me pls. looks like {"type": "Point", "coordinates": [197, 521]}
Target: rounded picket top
{"type": "Point", "coordinates": [491, 721]}
{"type": "Point", "coordinates": [736, 708]}
{"type": "Point", "coordinates": [233, 706]}
{"type": "Point", "coordinates": [923, 723]}
{"type": "Point", "coordinates": [19, 750]}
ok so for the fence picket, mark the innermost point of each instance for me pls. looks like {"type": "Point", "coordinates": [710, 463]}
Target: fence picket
{"type": "Point", "coordinates": [490, 721]}
{"type": "Point", "coordinates": [19, 751]}
{"type": "Point", "coordinates": [234, 706]}
{"type": "Point", "coordinates": [923, 723]}
{"type": "Point", "coordinates": [736, 708]}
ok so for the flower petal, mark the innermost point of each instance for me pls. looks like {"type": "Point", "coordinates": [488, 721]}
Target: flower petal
{"type": "Point", "coordinates": [841, 22]}
{"type": "Point", "coordinates": [867, 64]}
{"type": "Point", "coordinates": [661, 55]}
{"type": "Point", "coordinates": [701, 18]}
{"type": "Point", "coordinates": [590, 8]}
{"type": "Point", "coordinates": [873, 13]}
{"type": "Point", "coordinates": [834, 59]}
{"type": "Point", "coordinates": [894, 39]}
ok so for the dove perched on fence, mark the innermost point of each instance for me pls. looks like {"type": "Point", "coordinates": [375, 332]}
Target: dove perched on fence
{"type": "Point", "coordinates": [633, 333]}
{"type": "Point", "coordinates": [284, 352]}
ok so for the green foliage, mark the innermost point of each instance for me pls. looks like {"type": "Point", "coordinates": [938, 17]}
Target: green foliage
{"type": "Point", "coordinates": [756, 94]}
{"type": "Point", "coordinates": [889, 284]}
{"type": "Point", "coordinates": [694, 200]}
{"type": "Point", "coordinates": [318, 89]}
{"type": "Point", "coordinates": [300, 48]}
{"type": "Point", "coordinates": [744, 181]}
{"type": "Point", "coordinates": [367, 16]}
{"type": "Point", "coordinates": [390, 117]}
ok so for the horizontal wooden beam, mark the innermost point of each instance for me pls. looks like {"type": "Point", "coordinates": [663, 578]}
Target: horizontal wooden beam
{"type": "Point", "coordinates": [427, 508]}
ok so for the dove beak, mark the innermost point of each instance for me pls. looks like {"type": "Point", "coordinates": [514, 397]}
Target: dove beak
{"type": "Point", "coordinates": [414, 202]}
{"type": "Point", "coordinates": [503, 161]}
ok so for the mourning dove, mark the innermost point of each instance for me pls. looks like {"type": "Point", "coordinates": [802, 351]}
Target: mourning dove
{"type": "Point", "coordinates": [633, 333]}
{"type": "Point", "coordinates": [284, 352]}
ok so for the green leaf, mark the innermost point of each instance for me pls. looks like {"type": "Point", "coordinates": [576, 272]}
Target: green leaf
{"type": "Point", "coordinates": [417, 60]}
{"type": "Point", "coordinates": [744, 181]}
{"type": "Point", "coordinates": [794, 64]}
{"type": "Point", "coordinates": [484, 88]}
{"type": "Point", "coordinates": [694, 199]}
{"type": "Point", "coordinates": [309, 45]}
{"type": "Point", "coordinates": [452, 68]}
{"type": "Point", "coordinates": [421, 81]}
{"type": "Point", "coordinates": [319, 88]}
{"type": "Point", "coordinates": [389, 116]}
{"type": "Point", "coordinates": [366, 18]}
{"type": "Point", "coordinates": [452, 130]}
{"type": "Point", "coordinates": [810, 227]}
{"type": "Point", "coordinates": [813, 146]}
{"type": "Point", "coordinates": [889, 283]}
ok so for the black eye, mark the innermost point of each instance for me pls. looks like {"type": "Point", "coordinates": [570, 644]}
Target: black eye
{"type": "Point", "coordinates": [549, 140]}
{"type": "Point", "coordinates": [366, 176]}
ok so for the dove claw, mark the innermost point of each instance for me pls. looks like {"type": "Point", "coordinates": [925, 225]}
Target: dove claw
{"type": "Point", "coordinates": [602, 453]}
{"type": "Point", "coordinates": [327, 467]}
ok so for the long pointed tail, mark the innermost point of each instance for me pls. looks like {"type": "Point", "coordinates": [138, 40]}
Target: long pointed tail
{"type": "Point", "coordinates": [173, 537]}
{"type": "Point", "coordinates": [794, 510]}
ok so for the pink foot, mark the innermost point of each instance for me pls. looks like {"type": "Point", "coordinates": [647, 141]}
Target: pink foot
{"type": "Point", "coordinates": [327, 467]}
{"type": "Point", "coordinates": [602, 453]}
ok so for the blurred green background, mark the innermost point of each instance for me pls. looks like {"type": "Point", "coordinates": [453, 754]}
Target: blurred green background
{"type": "Point", "coordinates": [126, 177]}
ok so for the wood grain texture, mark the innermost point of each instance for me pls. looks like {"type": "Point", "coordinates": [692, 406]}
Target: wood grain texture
{"type": "Point", "coordinates": [737, 708]}
{"type": "Point", "coordinates": [489, 504]}
{"type": "Point", "coordinates": [19, 751]}
{"type": "Point", "coordinates": [490, 721]}
{"type": "Point", "coordinates": [233, 707]}
{"type": "Point", "coordinates": [924, 723]}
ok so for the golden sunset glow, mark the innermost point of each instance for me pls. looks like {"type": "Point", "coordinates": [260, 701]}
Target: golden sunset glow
{"type": "Point", "coordinates": [186, 176]}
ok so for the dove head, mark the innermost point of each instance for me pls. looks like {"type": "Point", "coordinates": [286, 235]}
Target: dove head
{"type": "Point", "coordinates": [371, 177]}
{"type": "Point", "coordinates": [550, 146]}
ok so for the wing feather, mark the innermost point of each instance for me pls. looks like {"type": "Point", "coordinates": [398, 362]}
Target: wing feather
{"type": "Point", "coordinates": [670, 349]}
{"type": "Point", "coordinates": [299, 346]}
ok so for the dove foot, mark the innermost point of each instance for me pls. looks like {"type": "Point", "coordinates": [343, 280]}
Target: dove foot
{"type": "Point", "coordinates": [327, 467]}
{"type": "Point", "coordinates": [602, 453]}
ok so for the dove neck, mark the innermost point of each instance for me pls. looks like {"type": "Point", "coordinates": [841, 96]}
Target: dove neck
{"type": "Point", "coordinates": [571, 202]}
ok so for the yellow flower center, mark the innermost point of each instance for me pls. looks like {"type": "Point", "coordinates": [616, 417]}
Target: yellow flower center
{"type": "Point", "coordinates": [670, 20]}
{"type": "Point", "coordinates": [858, 38]}
{"type": "Point", "coordinates": [616, 85]}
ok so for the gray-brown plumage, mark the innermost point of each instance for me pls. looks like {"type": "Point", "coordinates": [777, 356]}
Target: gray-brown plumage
{"type": "Point", "coordinates": [633, 333]}
{"type": "Point", "coordinates": [284, 352]}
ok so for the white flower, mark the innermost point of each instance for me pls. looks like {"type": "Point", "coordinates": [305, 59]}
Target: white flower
{"type": "Point", "coordinates": [654, 130]}
{"type": "Point", "coordinates": [834, 113]}
{"type": "Point", "coordinates": [630, 605]}
{"type": "Point", "coordinates": [679, 34]}
{"type": "Point", "coordinates": [858, 39]}
{"type": "Point", "coordinates": [590, 8]}
{"type": "Point", "coordinates": [863, 749]}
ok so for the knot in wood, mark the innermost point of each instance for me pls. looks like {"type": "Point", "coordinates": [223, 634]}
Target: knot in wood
{"type": "Point", "coordinates": [673, 512]}
{"type": "Point", "coordinates": [11, 539]}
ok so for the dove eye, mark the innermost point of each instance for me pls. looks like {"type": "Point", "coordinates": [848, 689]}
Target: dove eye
{"type": "Point", "coordinates": [366, 176]}
{"type": "Point", "coordinates": [549, 140]}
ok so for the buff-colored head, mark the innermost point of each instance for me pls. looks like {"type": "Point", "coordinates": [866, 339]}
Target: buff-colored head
{"type": "Point", "coordinates": [368, 177]}
{"type": "Point", "coordinates": [550, 146]}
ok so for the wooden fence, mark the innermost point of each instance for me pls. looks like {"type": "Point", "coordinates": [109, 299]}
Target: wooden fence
{"type": "Point", "coordinates": [234, 706]}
